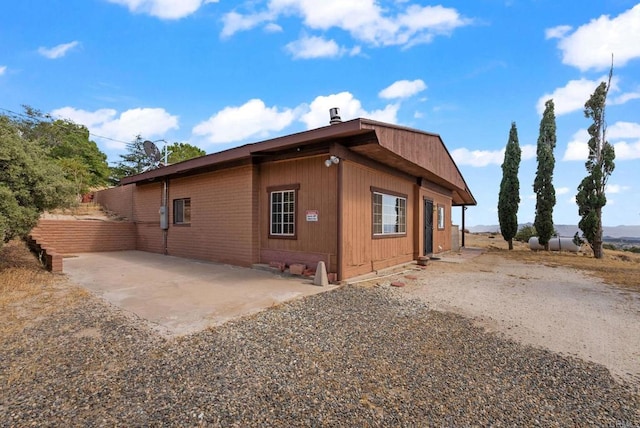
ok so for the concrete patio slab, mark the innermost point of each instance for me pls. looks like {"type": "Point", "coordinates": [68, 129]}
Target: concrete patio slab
{"type": "Point", "coordinates": [182, 296]}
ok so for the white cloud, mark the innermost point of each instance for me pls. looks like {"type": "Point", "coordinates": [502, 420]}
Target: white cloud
{"type": "Point", "coordinates": [364, 20]}
{"type": "Point", "coordinates": [562, 190]}
{"type": "Point", "coordinates": [627, 151]}
{"type": "Point", "coordinates": [163, 9]}
{"type": "Point", "coordinates": [557, 32]}
{"type": "Point", "coordinates": [403, 89]}
{"type": "Point", "coordinates": [3, 68]}
{"type": "Point", "coordinates": [478, 158]}
{"type": "Point", "coordinates": [573, 95]}
{"type": "Point", "coordinates": [147, 122]}
{"type": "Point", "coordinates": [90, 119]}
{"type": "Point", "coordinates": [621, 130]}
{"type": "Point", "coordinates": [234, 22]}
{"type": "Point", "coordinates": [577, 149]}
{"type": "Point", "coordinates": [272, 27]}
{"type": "Point", "coordinates": [529, 151]}
{"type": "Point", "coordinates": [57, 51]}
{"type": "Point", "coordinates": [621, 99]}
{"type": "Point", "coordinates": [317, 114]}
{"type": "Point", "coordinates": [250, 120]}
{"type": "Point", "coordinates": [315, 47]}
{"type": "Point", "coordinates": [616, 188]}
{"type": "Point", "coordinates": [481, 158]}
{"type": "Point", "coordinates": [590, 46]}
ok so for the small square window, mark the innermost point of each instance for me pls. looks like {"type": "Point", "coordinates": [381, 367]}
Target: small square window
{"type": "Point", "coordinates": [182, 211]}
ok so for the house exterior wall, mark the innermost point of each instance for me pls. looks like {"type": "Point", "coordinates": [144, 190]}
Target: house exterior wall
{"type": "Point", "coordinates": [147, 199]}
{"type": "Point", "coordinates": [230, 215]}
{"type": "Point", "coordinates": [361, 251]}
{"type": "Point", "coordinates": [421, 149]}
{"type": "Point", "coordinates": [441, 237]}
{"type": "Point", "coordinates": [222, 217]}
{"type": "Point", "coordinates": [118, 200]}
{"type": "Point", "coordinates": [315, 240]}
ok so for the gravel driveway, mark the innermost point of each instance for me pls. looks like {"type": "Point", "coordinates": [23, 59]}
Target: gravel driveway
{"type": "Point", "coordinates": [557, 308]}
{"type": "Point", "coordinates": [355, 356]}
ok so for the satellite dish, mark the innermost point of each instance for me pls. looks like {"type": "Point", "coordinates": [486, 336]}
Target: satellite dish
{"type": "Point", "coordinates": [152, 151]}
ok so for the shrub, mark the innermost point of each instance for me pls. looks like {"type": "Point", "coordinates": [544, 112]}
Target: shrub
{"type": "Point", "coordinates": [525, 233]}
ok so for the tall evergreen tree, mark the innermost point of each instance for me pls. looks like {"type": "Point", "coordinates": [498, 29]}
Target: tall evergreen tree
{"type": "Point", "coordinates": [509, 197]}
{"type": "Point", "coordinates": [591, 196]}
{"type": "Point", "coordinates": [543, 184]}
{"type": "Point", "coordinates": [179, 152]}
{"type": "Point", "coordinates": [133, 162]}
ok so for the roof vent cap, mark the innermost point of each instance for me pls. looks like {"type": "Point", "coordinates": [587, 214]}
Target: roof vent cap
{"type": "Point", "coordinates": [334, 114]}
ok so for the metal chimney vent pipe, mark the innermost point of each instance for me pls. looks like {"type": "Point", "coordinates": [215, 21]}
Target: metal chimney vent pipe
{"type": "Point", "coordinates": [334, 114]}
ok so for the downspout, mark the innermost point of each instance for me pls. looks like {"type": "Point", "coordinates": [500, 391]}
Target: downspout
{"type": "Point", "coordinates": [339, 218]}
{"type": "Point", "coordinates": [165, 229]}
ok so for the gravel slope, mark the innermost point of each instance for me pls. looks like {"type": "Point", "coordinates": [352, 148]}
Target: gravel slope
{"type": "Point", "coordinates": [356, 356]}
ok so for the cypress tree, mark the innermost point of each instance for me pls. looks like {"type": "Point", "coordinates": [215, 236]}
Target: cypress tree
{"type": "Point", "coordinates": [591, 196]}
{"type": "Point", "coordinates": [543, 184]}
{"type": "Point", "coordinates": [509, 197]}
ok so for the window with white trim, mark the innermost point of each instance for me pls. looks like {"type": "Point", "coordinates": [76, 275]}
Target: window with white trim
{"type": "Point", "coordinates": [283, 213]}
{"type": "Point", "coordinates": [182, 211]}
{"type": "Point", "coordinates": [389, 214]}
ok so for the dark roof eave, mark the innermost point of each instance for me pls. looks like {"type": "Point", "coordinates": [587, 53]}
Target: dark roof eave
{"type": "Point", "coordinates": [344, 129]}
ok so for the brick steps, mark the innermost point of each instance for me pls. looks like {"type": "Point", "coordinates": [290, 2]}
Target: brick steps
{"type": "Point", "coordinates": [51, 259]}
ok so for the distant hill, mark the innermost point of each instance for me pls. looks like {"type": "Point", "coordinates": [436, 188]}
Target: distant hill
{"type": "Point", "coordinates": [568, 230]}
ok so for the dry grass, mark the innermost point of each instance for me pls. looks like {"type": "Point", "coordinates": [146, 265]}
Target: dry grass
{"type": "Point", "coordinates": [620, 268]}
{"type": "Point", "coordinates": [21, 274]}
{"type": "Point", "coordinates": [25, 285]}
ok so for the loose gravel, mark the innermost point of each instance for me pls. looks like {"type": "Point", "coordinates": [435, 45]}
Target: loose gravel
{"type": "Point", "coordinates": [355, 356]}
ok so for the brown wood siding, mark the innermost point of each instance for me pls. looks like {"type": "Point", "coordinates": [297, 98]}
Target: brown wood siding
{"type": "Point", "coordinates": [318, 191]}
{"type": "Point", "coordinates": [222, 216]}
{"type": "Point", "coordinates": [361, 252]}
{"type": "Point", "coordinates": [147, 199]}
{"type": "Point", "coordinates": [441, 238]}
{"type": "Point", "coordinates": [425, 150]}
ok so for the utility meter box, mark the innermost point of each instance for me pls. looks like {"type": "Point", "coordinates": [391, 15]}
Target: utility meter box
{"type": "Point", "coordinates": [164, 218]}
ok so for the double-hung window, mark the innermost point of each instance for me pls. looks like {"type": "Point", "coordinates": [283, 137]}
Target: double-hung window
{"type": "Point", "coordinates": [282, 202]}
{"type": "Point", "coordinates": [182, 211]}
{"type": "Point", "coordinates": [389, 213]}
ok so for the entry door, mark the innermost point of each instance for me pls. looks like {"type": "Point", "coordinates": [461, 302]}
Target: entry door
{"type": "Point", "coordinates": [428, 227]}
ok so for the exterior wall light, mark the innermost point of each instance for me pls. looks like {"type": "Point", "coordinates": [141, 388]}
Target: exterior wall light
{"type": "Point", "coordinates": [331, 161]}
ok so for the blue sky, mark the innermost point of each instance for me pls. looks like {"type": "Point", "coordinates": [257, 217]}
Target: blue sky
{"type": "Point", "coordinates": [220, 73]}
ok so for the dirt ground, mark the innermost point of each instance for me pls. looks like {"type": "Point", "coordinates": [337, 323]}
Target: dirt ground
{"type": "Point", "coordinates": [555, 307]}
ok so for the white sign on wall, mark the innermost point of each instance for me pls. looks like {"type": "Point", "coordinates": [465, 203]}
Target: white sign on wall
{"type": "Point", "coordinates": [312, 215]}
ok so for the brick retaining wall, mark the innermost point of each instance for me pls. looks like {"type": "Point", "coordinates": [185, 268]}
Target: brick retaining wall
{"type": "Point", "coordinates": [52, 239]}
{"type": "Point", "coordinates": [117, 200]}
{"type": "Point", "coordinates": [86, 236]}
